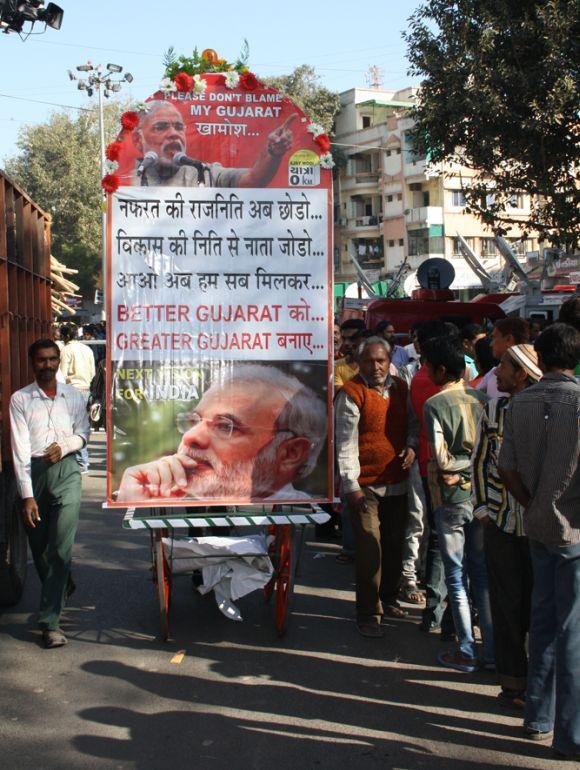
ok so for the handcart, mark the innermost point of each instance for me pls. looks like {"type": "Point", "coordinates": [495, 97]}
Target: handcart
{"type": "Point", "coordinates": [286, 529]}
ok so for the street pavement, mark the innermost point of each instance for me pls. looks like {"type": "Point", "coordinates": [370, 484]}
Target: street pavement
{"type": "Point", "coordinates": [232, 695]}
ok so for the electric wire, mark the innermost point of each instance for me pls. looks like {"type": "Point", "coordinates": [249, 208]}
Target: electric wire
{"type": "Point", "coordinates": [52, 104]}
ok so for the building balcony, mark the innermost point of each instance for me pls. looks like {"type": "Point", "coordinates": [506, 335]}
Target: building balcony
{"type": "Point", "coordinates": [373, 135]}
{"type": "Point", "coordinates": [361, 223]}
{"type": "Point", "coordinates": [414, 168]}
{"type": "Point", "coordinates": [364, 176]}
{"type": "Point", "coordinates": [424, 216]}
{"type": "Point", "coordinates": [361, 182]}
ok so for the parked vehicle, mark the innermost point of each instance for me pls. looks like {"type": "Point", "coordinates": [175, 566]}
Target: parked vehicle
{"type": "Point", "coordinates": [25, 315]}
{"type": "Point", "coordinates": [433, 301]}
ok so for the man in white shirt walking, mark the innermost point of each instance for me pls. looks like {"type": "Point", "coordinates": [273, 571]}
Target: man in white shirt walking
{"type": "Point", "coordinates": [49, 423]}
{"type": "Point", "coordinates": [77, 365]}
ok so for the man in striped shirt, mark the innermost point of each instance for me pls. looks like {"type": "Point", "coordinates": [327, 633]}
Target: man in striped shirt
{"type": "Point", "coordinates": [539, 465]}
{"type": "Point", "coordinates": [507, 553]}
{"type": "Point", "coordinates": [451, 418]}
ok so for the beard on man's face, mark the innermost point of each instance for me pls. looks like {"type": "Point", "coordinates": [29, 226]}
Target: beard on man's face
{"type": "Point", "coordinates": [248, 479]}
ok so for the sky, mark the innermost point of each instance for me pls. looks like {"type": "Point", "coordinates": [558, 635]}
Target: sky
{"type": "Point", "coordinates": [335, 38]}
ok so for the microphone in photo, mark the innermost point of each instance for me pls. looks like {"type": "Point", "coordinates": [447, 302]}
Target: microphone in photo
{"type": "Point", "coordinates": [181, 159]}
{"type": "Point", "coordinates": [149, 159]}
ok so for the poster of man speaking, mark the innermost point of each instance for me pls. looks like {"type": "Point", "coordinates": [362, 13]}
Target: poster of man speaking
{"type": "Point", "coordinates": [163, 154]}
{"type": "Point", "coordinates": [219, 299]}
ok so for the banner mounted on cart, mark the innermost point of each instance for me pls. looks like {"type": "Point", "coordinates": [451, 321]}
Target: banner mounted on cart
{"type": "Point", "coordinates": [219, 299]}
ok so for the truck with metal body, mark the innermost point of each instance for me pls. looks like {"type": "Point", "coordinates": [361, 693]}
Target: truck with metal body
{"type": "Point", "coordinates": [25, 315]}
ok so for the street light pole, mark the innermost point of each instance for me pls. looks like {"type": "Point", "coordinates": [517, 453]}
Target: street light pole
{"type": "Point", "coordinates": [103, 196]}
{"type": "Point", "coordinates": [105, 83]}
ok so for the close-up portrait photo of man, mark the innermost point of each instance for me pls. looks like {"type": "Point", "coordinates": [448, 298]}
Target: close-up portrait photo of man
{"type": "Point", "coordinates": [254, 434]}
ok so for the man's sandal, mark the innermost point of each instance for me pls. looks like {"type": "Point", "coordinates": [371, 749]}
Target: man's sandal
{"type": "Point", "coordinates": [412, 595]}
{"type": "Point", "coordinates": [392, 611]}
{"type": "Point", "coordinates": [370, 630]}
{"type": "Point", "coordinates": [52, 638]}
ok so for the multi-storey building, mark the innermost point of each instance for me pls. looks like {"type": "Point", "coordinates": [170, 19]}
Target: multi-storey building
{"type": "Point", "coordinates": [392, 206]}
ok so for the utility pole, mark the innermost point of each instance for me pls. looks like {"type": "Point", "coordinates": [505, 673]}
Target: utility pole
{"type": "Point", "coordinates": [106, 82]}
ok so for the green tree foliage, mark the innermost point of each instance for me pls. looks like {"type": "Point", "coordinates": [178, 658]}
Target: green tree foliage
{"type": "Point", "coordinates": [500, 95]}
{"type": "Point", "coordinates": [303, 87]}
{"type": "Point", "coordinates": [59, 167]}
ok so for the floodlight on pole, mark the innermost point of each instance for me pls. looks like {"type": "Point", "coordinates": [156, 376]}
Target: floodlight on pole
{"type": "Point", "coordinates": [105, 85]}
{"type": "Point", "coordinates": [14, 15]}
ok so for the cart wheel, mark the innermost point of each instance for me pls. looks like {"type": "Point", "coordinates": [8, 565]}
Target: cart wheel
{"type": "Point", "coordinates": [162, 578]}
{"type": "Point", "coordinates": [284, 576]}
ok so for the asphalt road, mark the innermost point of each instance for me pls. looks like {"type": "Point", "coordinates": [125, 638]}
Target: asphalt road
{"type": "Point", "coordinates": [237, 697]}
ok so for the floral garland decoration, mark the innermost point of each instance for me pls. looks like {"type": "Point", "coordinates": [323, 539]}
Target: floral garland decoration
{"type": "Point", "coordinates": [130, 120]}
{"type": "Point", "coordinates": [186, 74]}
{"type": "Point", "coordinates": [206, 62]}
{"type": "Point", "coordinates": [110, 183]}
{"type": "Point", "coordinates": [199, 85]}
{"type": "Point", "coordinates": [323, 141]}
{"type": "Point", "coordinates": [113, 151]}
{"type": "Point", "coordinates": [326, 160]}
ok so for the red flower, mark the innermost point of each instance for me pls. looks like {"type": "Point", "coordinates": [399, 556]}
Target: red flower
{"type": "Point", "coordinates": [323, 142]}
{"type": "Point", "coordinates": [249, 81]}
{"type": "Point", "coordinates": [114, 150]}
{"type": "Point", "coordinates": [183, 82]}
{"type": "Point", "coordinates": [129, 120]}
{"type": "Point", "coordinates": [110, 183]}
{"type": "Point", "coordinates": [220, 80]}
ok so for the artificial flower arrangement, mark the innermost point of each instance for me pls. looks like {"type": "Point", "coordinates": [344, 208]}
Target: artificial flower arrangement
{"type": "Point", "coordinates": [185, 74]}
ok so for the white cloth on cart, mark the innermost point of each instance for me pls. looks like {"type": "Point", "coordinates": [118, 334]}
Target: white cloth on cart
{"type": "Point", "coordinates": [230, 566]}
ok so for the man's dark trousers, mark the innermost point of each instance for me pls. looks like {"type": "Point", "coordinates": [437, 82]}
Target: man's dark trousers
{"type": "Point", "coordinates": [510, 580]}
{"type": "Point", "coordinates": [57, 491]}
{"type": "Point", "coordinates": [379, 534]}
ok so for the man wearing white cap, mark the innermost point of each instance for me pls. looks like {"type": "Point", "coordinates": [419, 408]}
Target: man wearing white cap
{"type": "Point", "coordinates": [507, 554]}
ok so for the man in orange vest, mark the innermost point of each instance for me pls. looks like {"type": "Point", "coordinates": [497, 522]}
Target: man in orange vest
{"type": "Point", "coordinates": [376, 437]}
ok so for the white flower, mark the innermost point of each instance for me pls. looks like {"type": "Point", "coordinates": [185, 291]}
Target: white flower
{"type": "Point", "coordinates": [315, 129]}
{"type": "Point", "coordinates": [199, 84]}
{"type": "Point", "coordinates": [142, 107]}
{"type": "Point", "coordinates": [232, 78]}
{"type": "Point", "coordinates": [326, 160]}
{"type": "Point", "coordinates": [167, 85]}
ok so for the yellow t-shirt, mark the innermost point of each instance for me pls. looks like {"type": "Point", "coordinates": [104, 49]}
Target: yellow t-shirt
{"type": "Point", "coordinates": [343, 372]}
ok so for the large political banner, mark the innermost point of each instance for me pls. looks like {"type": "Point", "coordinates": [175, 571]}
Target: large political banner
{"type": "Point", "coordinates": [219, 303]}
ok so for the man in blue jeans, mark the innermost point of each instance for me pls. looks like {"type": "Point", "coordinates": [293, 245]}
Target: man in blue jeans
{"type": "Point", "coordinates": [451, 418]}
{"type": "Point", "coordinates": [539, 465]}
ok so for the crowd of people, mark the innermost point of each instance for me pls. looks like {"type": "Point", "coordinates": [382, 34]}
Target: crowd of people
{"type": "Point", "coordinates": [457, 463]}
{"type": "Point", "coordinates": [457, 469]}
